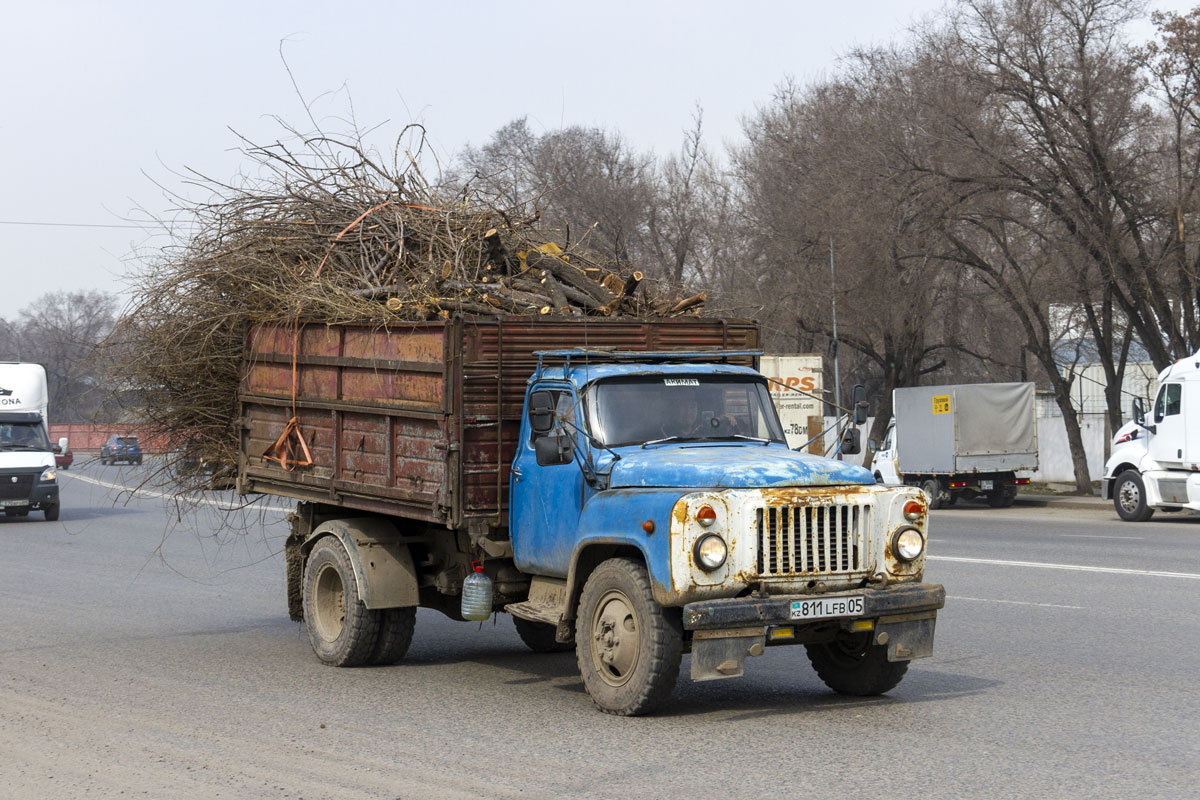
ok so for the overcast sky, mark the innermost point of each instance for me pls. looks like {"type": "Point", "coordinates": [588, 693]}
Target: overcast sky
{"type": "Point", "coordinates": [102, 101]}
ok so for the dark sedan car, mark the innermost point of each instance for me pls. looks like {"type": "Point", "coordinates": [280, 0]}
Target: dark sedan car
{"type": "Point", "coordinates": [121, 448]}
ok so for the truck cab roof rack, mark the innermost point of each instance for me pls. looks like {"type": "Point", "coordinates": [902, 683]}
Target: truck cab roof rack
{"type": "Point", "coordinates": [594, 354]}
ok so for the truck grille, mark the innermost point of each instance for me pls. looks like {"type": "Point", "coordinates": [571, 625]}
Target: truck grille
{"type": "Point", "coordinates": [812, 540]}
{"type": "Point", "coordinates": [15, 490]}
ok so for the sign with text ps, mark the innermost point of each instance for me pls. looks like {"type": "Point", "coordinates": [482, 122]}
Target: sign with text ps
{"type": "Point", "coordinates": [798, 373]}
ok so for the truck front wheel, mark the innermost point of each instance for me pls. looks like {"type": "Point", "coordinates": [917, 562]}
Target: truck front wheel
{"type": "Point", "coordinates": [539, 636]}
{"type": "Point", "coordinates": [851, 664]}
{"type": "Point", "coordinates": [341, 630]}
{"type": "Point", "coordinates": [627, 645]}
{"type": "Point", "coordinates": [1129, 497]}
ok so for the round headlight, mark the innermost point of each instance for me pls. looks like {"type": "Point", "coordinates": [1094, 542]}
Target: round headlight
{"type": "Point", "coordinates": [710, 551]}
{"type": "Point", "coordinates": [908, 543]}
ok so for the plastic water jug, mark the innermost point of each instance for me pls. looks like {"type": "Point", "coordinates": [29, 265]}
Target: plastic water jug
{"type": "Point", "coordinates": [477, 594]}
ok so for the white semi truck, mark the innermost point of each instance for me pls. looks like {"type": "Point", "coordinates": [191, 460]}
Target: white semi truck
{"type": "Point", "coordinates": [1155, 463]}
{"type": "Point", "coordinates": [28, 477]}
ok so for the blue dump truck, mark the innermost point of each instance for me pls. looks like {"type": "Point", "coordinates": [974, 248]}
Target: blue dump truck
{"type": "Point", "coordinates": [622, 488]}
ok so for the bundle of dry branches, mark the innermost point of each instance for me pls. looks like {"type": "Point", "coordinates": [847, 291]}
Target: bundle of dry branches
{"type": "Point", "coordinates": [330, 233]}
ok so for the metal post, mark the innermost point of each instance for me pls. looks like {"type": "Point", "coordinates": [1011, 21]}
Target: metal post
{"type": "Point", "coordinates": [837, 378]}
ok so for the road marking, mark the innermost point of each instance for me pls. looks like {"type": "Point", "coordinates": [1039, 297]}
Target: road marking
{"type": "Point", "coordinates": [139, 492]}
{"type": "Point", "coordinates": [1013, 602]}
{"type": "Point", "coordinates": [1098, 536]}
{"type": "Point", "coordinates": [1072, 567]}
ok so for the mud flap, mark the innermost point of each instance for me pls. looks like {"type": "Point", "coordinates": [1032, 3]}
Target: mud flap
{"type": "Point", "coordinates": [716, 656]}
{"type": "Point", "coordinates": [906, 638]}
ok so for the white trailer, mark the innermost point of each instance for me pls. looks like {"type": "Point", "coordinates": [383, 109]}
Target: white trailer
{"type": "Point", "coordinates": [1155, 463]}
{"type": "Point", "coordinates": [960, 441]}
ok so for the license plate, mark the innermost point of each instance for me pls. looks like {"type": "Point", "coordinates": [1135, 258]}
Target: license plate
{"type": "Point", "coordinates": [985, 485]}
{"type": "Point", "coordinates": [821, 607]}
{"type": "Point", "coordinates": [14, 502]}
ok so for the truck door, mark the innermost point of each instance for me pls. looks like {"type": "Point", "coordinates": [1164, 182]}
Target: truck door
{"type": "Point", "coordinates": [1167, 443]}
{"type": "Point", "coordinates": [546, 499]}
{"type": "Point", "coordinates": [885, 459]}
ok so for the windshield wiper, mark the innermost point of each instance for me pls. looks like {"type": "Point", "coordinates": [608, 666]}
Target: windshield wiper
{"type": "Point", "coordinates": [666, 439]}
{"type": "Point", "coordinates": [747, 438]}
{"type": "Point", "coordinates": [23, 447]}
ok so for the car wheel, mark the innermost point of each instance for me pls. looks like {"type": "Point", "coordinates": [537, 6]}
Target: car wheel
{"type": "Point", "coordinates": [1129, 497]}
{"type": "Point", "coordinates": [852, 664]}
{"type": "Point", "coordinates": [628, 646]}
{"type": "Point", "coordinates": [341, 630]}
{"type": "Point", "coordinates": [51, 512]}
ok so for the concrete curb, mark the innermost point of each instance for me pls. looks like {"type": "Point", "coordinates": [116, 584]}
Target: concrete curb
{"type": "Point", "coordinates": [1065, 501]}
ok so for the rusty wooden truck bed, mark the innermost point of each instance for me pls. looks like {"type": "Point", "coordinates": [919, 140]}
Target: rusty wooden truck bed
{"type": "Point", "coordinates": [420, 420]}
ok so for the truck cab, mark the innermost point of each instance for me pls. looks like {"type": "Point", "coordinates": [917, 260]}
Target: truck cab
{"type": "Point", "coordinates": [668, 481]}
{"type": "Point", "coordinates": [1155, 461]}
{"type": "Point", "coordinates": [28, 475]}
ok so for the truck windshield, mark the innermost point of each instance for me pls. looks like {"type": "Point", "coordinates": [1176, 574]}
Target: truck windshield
{"type": "Point", "coordinates": [625, 411]}
{"type": "Point", "coordinates": [23, 436]}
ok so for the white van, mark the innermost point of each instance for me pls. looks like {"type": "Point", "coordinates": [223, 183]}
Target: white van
{"type": "Point", "coordinates": [28, 477]}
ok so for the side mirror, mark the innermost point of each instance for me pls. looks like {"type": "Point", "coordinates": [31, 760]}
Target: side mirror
{"type": "Point", "coordinates": [552, 450]}
{"type": "Point", "coordinates": [873, 445]}
{"type": "Point", "coordinates": [1139, 411]}
{"type": "Point", "coordinates": [860, 404]}
{"type": "Point", "coordinates": [541, 412]}
{"type": "Point", "coordinates": [62, 443]}
{"type": "Point", "coordinates": [851, 443]}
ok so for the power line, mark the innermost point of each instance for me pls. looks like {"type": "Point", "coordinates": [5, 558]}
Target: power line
{"type": "Point", "coordinates": [142, 226]}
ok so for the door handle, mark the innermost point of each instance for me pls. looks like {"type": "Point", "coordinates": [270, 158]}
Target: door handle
{"type": "Point", "coordinates": [516, 472]}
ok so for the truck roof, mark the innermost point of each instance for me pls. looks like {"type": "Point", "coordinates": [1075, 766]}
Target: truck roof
{"type": "Point", "coordinates": [581, 374]}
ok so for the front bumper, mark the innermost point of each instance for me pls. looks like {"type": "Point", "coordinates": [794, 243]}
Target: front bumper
{"type": "Point", "coordinates": [724, 632]}
{"type": "Point", "coordinates": [739, 612]}
{"type": "Point", "coordinates": [42, 495]}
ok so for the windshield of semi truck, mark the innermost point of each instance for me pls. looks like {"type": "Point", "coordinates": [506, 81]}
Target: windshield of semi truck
{"type": "Point", "coordinates": [23, 436]}
{"type": "Point", "coordinates": [669, 408]}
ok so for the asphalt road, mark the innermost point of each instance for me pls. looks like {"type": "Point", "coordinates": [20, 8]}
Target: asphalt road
{"type": "Point", "coordinates": [144, 656]}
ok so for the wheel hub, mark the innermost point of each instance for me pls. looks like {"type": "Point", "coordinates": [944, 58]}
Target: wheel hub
{"type": "Point", "coordinates": [615, 637]}
{"type": "Point", "coordinates": [330, 605]}
{"type": "Point", "coordinates": [1129, 496]}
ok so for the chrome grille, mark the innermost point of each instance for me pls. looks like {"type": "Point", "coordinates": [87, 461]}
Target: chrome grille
{"type": "Point", "coordinates": [812, 540]}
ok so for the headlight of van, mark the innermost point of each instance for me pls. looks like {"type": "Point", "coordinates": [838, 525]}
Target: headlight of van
{"type": "Point", "coordinates": [49, 474]}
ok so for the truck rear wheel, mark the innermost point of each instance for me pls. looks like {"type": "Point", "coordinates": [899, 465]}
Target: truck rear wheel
{"type": "Point", "coordinates": [539, 636]}
{"type": "Point", "coordinates": [1129, 497]}
{"type": "Point", "coordinates": [851, 664]}
{"type": "Point", "coordinates": [341, 630]}
{"type": "Point", "coordinates": [1003, 497]}
{"type": "Point", "coordinates": [396, 627]}
{"type": "Point", "coordinates": [627, 645]}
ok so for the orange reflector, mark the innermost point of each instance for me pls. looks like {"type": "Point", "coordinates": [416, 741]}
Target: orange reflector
{"type": "Point", "coordinates": [648, 526]}
{"type": "Point", "coordinates": [706, 516]}
{"type": "Point", "coordinates": [913, 509]}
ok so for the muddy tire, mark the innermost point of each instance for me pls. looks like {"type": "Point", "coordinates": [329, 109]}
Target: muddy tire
{"type": "Point", "coordinates": [51, 512]}
{"type": "Point", "coordinates": [342, 632]}
{"type": "Point", "coordinates": [627, 645]}
{"type": "Point", "coordinates": [539, 636]}
{"type": "Point", "coordinates": [852, 665]}
{"type": "Point", "coordinates": [1129, 497]}
{"type": "Point", "coordinates": [396, 627]}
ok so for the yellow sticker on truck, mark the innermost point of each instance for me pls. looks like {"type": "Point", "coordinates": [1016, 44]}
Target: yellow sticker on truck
{"type": "Point", "coordinates": [941, 404]}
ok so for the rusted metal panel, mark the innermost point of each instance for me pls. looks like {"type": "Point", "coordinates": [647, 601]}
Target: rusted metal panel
{"type": "Point", "coordinates": [422, 418]}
